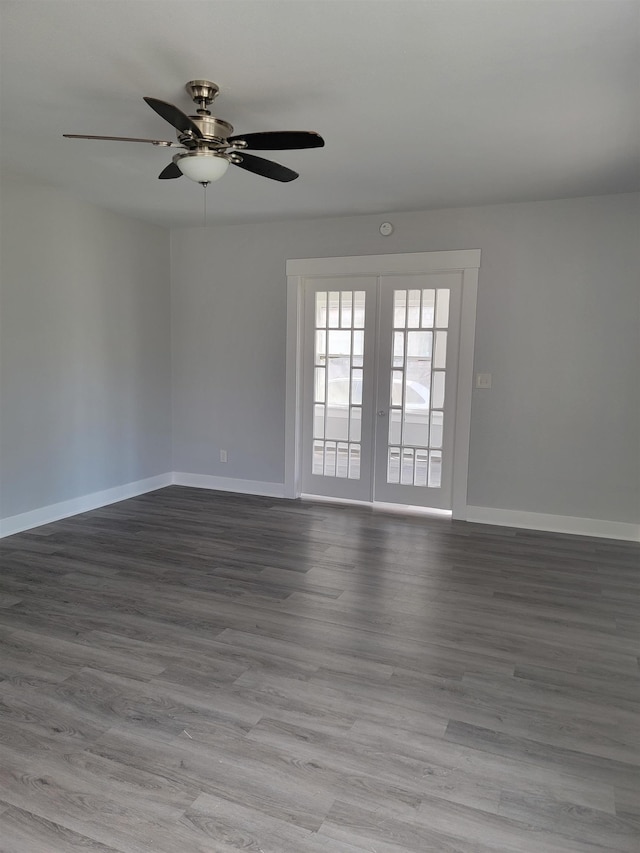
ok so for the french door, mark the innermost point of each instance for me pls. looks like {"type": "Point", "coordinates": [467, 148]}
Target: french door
{"type": "Point", "coordinates": [416, 388]}
{"type": "Point", "coordinates": [379, 389]}
{"type": "Point", "coordinates": [338, 432]}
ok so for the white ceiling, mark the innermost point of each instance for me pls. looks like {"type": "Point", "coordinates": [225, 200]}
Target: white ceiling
{"type": "Point", "coordinates": [422, 104]}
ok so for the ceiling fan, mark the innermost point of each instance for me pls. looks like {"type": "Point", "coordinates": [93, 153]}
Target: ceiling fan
{"type": "Point", "coordinates": [206, 145]}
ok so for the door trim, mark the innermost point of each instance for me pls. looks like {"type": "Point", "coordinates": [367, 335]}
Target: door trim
{"type": "Point", "coordinates": [467, 262]}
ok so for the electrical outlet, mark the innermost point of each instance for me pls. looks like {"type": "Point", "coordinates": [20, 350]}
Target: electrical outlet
{"type": "Point", "coordinates": [483, 380]}
{"type": "Point", "coordinates": [223, 455]}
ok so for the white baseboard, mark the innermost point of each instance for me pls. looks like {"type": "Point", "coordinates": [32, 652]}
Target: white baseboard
{"type": "Point", "coordinates": [229, 484]}
{"type": "Point", "coordinates": [554, 523]}
{"type": "Point", "coordinates": [95, 500]}
{"type": "Point", "coordinates": [480, 514]}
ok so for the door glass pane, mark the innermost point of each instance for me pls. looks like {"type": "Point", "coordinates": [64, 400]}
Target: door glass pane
{"type": "Point", "coordinates": [358, 348]}
{"type": "Point", "coordinates": [319, 389]}
{"type": "Point", "coordinates": [337, 427]}
{"type": "Point", "coordinates": [338, 392]}
{"type": "Point", "coordinates": [428, 308]}
{"type": "Point", "coordinates": [321, 347]}
{"type": "Point", "coordinates": [340, 345]}
{"type": "Point", "coordinates": [393, 465]}
{"type": "Point", "coordinates": [421, 467]}
{"type": "Point", "coordinates": [318, 421]}
{"type": "Point", "coordinates": [440, 353]}
{"type": "Point", "coordinates": [354, 461]}
{"type": "Point", "coordinates": [395, 426]}
{"type": "Point", "coordinates": [342, 460]}
{"type": "Point", "coordinates": [415, 426]}
{"type": "Point", "coordinates": [419, 357]}
{"type": "Point", "coordinates": [435, 469]}
{"type": "Point", "coordinates": [356, 387]}
{"type": "Point", "coordinates": [398, 349]}
{"type": "Point", "coordinates": [413, 309]}
{"type": "Point", "coordinates": [334, 309]}
{"type": "Point", "coordinates": [346, 304]}
{"type": "Point", "coordinates": [330, 459]}
{"type": "Point", "coordinates": [438, 389]}
{"type": "Point", "coordinates": [318, 457]}
{"type": "Point", "coordinates": [396, 388]}
{"type": "Point", "coordinates": [400, 309]}
{"type": "Point", "coordinates": [442, 308]}
{"type": "Point", "coordinates": [419, 344]}
{"type": "Point", "coordinates": [321, 310]}
{"type": "Point", "coordinates": [358, 309]}
{"type": "Point", "coordinates": [435, 435]}
{"type": "Point", "coordinates": [337, 389]}
{"type": "Point", "coordinates": [406, 472]}
{"type": "Point", "coordinates": [355, 424]}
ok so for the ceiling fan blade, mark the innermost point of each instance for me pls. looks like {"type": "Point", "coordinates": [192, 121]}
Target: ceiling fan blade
{"type": "Point", "coordinates": [280, 140]}
{"type": "Point", "coordinates": [170, 171]}
{"type": "Point", "coordinates": [160, 142]}
{"type": "Point", "coordinates": [174, 116]}
{"type": "Point", "coordinates": [267, 168]}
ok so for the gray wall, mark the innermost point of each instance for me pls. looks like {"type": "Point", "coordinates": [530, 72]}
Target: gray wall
{"type": "Point", "coordinates": [85, 351]}
{"type": "Point", "coordinates": [558, 326]}
{"type": "Point", "coordinates": [85, 399]}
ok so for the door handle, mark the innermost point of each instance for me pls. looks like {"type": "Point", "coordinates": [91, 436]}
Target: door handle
{"type": "Point", "coordinates": [381, 413]}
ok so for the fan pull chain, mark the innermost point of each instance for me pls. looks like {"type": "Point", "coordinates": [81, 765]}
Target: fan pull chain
{"type": "Point", "coordinates": [205, 184]}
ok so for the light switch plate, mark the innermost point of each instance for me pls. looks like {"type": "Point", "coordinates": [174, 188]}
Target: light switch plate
{"type": "Point", "coordinates": [483, 380]}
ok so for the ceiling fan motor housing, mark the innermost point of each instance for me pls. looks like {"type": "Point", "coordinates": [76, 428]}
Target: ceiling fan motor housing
{"type": "Point", "coordinates": [214, 130]}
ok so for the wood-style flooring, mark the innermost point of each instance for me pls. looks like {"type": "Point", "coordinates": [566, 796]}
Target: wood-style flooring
{"type": "Point", "coordinates": [198, 672]}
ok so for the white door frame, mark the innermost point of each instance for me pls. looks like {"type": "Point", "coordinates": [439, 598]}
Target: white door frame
{"type": "Point", "coordinates": [465, 261]}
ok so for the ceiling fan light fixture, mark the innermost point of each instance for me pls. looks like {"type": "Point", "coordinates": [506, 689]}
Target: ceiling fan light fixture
{"type": "Point", "coordinates": [208, 145]}
{"type": "Point", "coordinates": [202, 166]}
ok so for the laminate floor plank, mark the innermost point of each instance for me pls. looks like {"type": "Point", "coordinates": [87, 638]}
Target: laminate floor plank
{"type": "Point", "coordinates": [528, 750]}
{"type": "Point", "coordinates": [40, 782]}
{"type": "Point", "coordinates": [386, 833]}
{"type": "Point", "coordinates": [607, 685]}
{"type": "Point", "coordinates": [475, 777]}
{"type": "Point", "coordinates": [25, 832]}
{"type": "Point", "coordinates": [44, 652]}
{"type": "Point", "coordinates": [410, 617]}
{"type": "Point", "coordinates": [515, 835]}
{"type": "Point", "coordinates": [231, 769]}
{"type": "Point", "coordinates": [200, 672]}
{"type": "Point", "coordinates": [588, 826]}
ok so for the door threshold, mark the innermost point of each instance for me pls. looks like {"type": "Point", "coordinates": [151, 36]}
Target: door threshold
{"type": "Point", "coordinates": [403, 509]}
